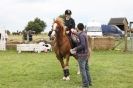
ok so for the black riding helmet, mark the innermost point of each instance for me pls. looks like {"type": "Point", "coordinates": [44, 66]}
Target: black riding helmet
{"type": "Point", "coordinates": [68, 12]}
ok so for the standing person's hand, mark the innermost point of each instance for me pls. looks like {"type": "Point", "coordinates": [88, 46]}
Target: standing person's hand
{"type": "Point", "coordinates": [73, 31]}
{"type": "Point", "coordinates": [73, 51]}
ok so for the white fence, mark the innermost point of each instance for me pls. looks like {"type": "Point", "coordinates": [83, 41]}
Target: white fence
{"type": "Point", "coordinates": [34, 47]}
{"type": "Point", "coordinates": [3, 37]}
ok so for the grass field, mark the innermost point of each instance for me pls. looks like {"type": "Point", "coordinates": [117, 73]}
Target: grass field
{"type": "Point", "coordinates": [109, 69]}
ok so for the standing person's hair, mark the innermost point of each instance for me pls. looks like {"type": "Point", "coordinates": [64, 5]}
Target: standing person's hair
{"type": "Point", "coordinates": [80, 26]}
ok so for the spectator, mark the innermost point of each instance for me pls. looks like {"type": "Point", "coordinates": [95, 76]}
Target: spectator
{"type": "Point", "coordinates": [82, 53]}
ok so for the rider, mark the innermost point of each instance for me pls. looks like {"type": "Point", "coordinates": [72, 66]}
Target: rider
{"type": "Point", "coordinates": [70, 26]}
{"type": "Point", "coordinates": [69, 22]}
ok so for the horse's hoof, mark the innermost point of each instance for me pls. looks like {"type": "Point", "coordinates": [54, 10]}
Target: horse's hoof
{"type": "Point", "coordinates": [64, 78]}
{"type": "Point", "coordinates": [67, 78]}
{"type": "Point", "coordinates": [78, 73]}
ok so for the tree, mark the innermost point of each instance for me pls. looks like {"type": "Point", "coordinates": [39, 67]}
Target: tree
{"type": "Point", "coordinates": [37, 25]}
{"type": "Point", "coordinates": [62, 16]}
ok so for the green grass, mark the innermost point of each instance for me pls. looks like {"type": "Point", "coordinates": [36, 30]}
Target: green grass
{"type": "Point", "coordinates": [109, 69]}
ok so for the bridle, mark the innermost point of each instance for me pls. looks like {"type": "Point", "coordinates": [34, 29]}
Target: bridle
{"type": "Point", "coordinates": [54, 31]}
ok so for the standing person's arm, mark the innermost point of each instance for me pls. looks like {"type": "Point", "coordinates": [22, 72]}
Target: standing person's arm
{"type": "Point", "coordinates": [79, 47]}
{"type": "Point", "coordinates": [82, 43]}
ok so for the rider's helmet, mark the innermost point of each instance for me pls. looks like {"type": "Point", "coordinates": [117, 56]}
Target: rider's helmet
{"type": "Point", "coordinates": [68, 12]}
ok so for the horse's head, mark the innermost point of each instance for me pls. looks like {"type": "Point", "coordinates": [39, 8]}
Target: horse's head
{"type": "Point", "coordinates": [58, 28]}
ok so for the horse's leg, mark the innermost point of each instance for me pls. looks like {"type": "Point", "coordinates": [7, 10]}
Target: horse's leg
{"type": "Point", "coordinates": [67, 68]}
{"type": "Point", "coordinates": [78, 70]}
{"type": "Point", "coordinates": [63, 67]}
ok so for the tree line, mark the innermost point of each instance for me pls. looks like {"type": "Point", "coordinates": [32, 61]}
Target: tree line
{"type": "Point", "coordinates": [37, 26]}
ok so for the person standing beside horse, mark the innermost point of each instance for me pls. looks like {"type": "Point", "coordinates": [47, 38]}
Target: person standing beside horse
{"type": "Point", "coordinates": [82, 52]}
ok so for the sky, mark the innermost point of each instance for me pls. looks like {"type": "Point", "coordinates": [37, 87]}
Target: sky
{"type": "Point", "coordinates": [15, 14]}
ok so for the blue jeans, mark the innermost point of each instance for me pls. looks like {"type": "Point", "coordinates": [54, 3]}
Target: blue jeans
{"type": "Point", "coordinates": [84, 70]}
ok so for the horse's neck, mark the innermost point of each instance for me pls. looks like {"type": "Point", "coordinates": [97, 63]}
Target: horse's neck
{"type": "Point", "coordinates": [60, 39]}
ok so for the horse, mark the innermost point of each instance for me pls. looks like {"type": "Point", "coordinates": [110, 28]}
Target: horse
{"type": "Point", "coordinates": [62, 46]}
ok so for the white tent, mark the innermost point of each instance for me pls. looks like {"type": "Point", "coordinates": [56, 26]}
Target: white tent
{"type": "Point", "coordinates": [94, 29]}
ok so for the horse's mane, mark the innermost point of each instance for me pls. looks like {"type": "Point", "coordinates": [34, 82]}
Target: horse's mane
{"type": "Point", "coordinates": [60, 22]}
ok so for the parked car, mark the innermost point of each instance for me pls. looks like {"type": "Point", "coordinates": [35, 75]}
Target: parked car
{"type": "Point", "coordinates": [96, 29]}
{"type": "Point", "coordinates": [112, 30]}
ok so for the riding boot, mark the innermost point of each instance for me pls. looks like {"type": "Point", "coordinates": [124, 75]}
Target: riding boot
{"type": "Point", "coordinates": [65, 72]}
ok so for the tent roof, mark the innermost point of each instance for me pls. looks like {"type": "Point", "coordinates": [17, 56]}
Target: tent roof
{"type": "Point", "coordinates": [117, 21]}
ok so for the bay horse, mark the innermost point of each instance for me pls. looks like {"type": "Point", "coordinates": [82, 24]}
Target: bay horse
{"type": "Point", "coordinates": [62, 46]}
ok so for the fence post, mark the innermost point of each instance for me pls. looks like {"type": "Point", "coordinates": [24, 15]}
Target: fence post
{"type": "Point", "coordinates": [125, 36]}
